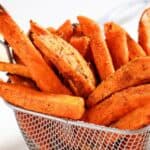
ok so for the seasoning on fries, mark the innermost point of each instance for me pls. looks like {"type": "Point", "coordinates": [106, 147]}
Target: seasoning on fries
{"type": "Point", "coordinates": [118, 105]}
{"type": "Point", "coordinates": [68, 61]}
{"type": "Point", "coordinates": [135, 50]}
{"type": "Point", "coordinates": [41, 73]}
{"type": "Point", "coordinates": [135, 72]}
{"type": "Point", "coordinates": [53, 104]}
{"type": "Point", "coordinates": [99, 48]}
{"type": "Point", "coordinates": [117, 44]}
{"type": "Point", "coordinates": [135, 119]}
{"type": "Point", "coordinates": [80, 72]}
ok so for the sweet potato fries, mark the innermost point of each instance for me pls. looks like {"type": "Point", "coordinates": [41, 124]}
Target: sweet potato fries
{"type": "Point", "coordinates": [15, 69]}
{"type": "Point", "coordinates": [135, 119]}
{"type": "Point", "coordinates": [23, 47]}
{"type": "Point", "coordinates": [116, 41]}
{"type": "Point", "coordinates": [133, 73]}
{"type": "Point", "coordinates": [118, 105]}
{"type": "Point", "coordinates": [70, 106]}
{"type": "Point", "coordinates": [106, 72]}
{"type": "Point", "coordinates": [99, 48]}
{"type": "Point", "coordinates": [67, 60]}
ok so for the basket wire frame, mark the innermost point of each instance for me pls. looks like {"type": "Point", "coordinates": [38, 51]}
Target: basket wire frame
{"type": "Point", "coordinates": [42, 132]}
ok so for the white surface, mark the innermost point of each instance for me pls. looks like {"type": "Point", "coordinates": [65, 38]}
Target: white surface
{"type": "Point", "coordinates": [47, 13]}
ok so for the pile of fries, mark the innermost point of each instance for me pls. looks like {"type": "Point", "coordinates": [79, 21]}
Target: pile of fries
{"type": "Point", "coordinates": [79, 72]}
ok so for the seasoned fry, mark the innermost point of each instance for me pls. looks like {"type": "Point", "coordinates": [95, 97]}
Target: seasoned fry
{"type": "Point", "coordinates": [35, 28]}
{"type": "Point", "coordinates": [15, 79]}
{"type": "Point", "coordinates": [45, 61]}
{"type": "Point", "coordinates": [133, 73]}
{"type": "Point", "coordinates": [65, 30]}
{"type": "Point", "coordinates": [68, 61]}
{"type": "Point", "coordinates": [135, 50]}
{"type": "Point", "coordinates": [81, 44]}
{"type": "Point", "coordinates": [117, 43]}
{"type": "Point", "coordinates": [44, 76]}
{"type": "Point", "coordinates": [52, 104]}
{"type": "Point", "coordinates": [118, 105]}
{"type": "Point", "coordinates": [144, 31]}
{"type": "Point", "coordinates": [99, 48]}
{"type": "Point", "coordinates": [15, 69]}
{"type": "Point", "coordinates": [135, 120]}
{"type": "Point", "coordinates": [72, 66]}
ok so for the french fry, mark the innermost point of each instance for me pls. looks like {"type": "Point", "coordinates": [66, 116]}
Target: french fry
{"type": "Point", "coordinates": [135, 50]}
{"type": "Point", "coordinates": [52, 104]}
{"type": "Point", "coordinates": [99, 48]}
{"type": "Point", "coordinates": [68, 61]}
{"type": "Point", "coordinates": [133, 73]}
{"type": "Point", "coordinates": [121, 100]}
{"type": "Point", "coordinates": [81, 44]}
{"type": "Point", "coordinates": [35, 28]}
{"type": "Point", "coordinates": [117, 43]}
{"type": "Point", "coordinates": [144, 31]}
{"type": "Point", "coordinates": [15, 79]}
{"type": "Point", "coordinates": [15, 69]}
{"type": "Point", "coordinates": [44, 76]}
{"type": "Point", "coordinates": [63, 56]}
{"type": "Point", "coordinates": [65, 30]}
{"type": "Point", "coordinates": [118, 105]}
{"type": "Point", "coordinates": [134, 120]}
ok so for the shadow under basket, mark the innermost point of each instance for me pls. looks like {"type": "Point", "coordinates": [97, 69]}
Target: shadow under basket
{"type": "Point", "coordinates": [43, 132]}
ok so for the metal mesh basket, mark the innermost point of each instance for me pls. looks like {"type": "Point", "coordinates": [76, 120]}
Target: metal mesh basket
{"type": "Point", "coordinates": [42, 132]}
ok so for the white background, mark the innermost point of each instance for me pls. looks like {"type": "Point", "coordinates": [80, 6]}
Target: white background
{"type": "Point", "coordinates": [47, 13]}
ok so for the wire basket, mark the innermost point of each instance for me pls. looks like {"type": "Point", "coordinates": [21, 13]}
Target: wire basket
{"type": "Point", "coordinates": [42, 132]}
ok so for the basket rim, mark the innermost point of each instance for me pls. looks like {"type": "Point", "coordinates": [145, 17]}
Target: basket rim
{"type": "Point", "coordinates": [80, 123]}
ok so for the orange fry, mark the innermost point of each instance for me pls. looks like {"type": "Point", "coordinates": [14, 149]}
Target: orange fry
{"type": "Point", "coordinates": [144, 31]}
{"type": "Point", "coordinates": [15, 69]}
{"type": "Point", "coordinates": [81, 44]}
{"type": "Point", "coordinates": [65, 30]}
{"type": "Point", "coordinates": [118, 105]}
{"type": "Point", "coordinates": [44, 76]}
{"type": "Point", "coordinates": [117, 44]}
{"type": "Point", "coordinates": [52, 104]}
{"type": "Point", "coordinates": [34, 27]}
{"type": "Point", "coordinates": [14, 79]}
{"type": "Point", "coordinates": [99, 48]}
{"type": "Point", "coordinates": [68, 61]}
{"type": "Point", "coordinates": [135, 50]}
{"type": "Point", "coordinates": [133, 73]}
{"type": "Point", "coordinates": [134, 120]}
